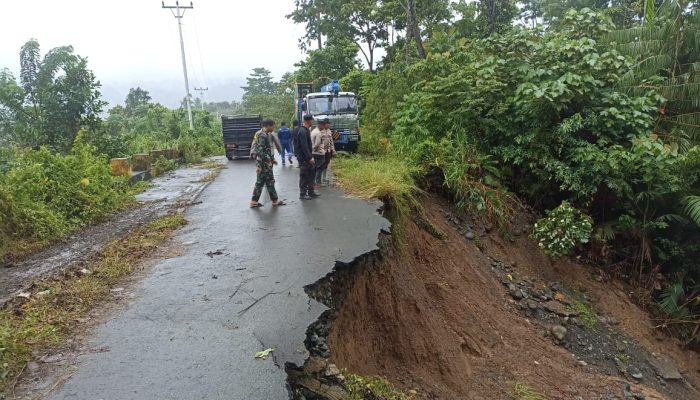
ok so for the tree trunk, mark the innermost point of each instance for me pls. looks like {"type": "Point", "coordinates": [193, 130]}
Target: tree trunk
{"type": "Point", "coordinates": [413, 29]}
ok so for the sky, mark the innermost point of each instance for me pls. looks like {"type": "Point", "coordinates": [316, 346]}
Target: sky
{"type": "Point", "coordinates": [131, 43]}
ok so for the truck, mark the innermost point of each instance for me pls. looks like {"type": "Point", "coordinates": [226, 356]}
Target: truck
{"type": "Point", "coordinates": [340, 108]}
{"type": "Point", "coordinates": [238, 134]}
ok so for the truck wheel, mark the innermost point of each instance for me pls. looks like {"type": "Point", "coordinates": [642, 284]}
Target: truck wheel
{"type": "Point", "coordinates": [351, 147]}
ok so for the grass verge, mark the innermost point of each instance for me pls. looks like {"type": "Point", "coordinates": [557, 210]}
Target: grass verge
{"type": "Point", "coordinates": [54, 306]}
{"type": "Point", "coordinates": [363, 387]}
{"type": "Point", "coordinates": [388, 179]}
{"type": "Point", "coordinates": [525, 392]}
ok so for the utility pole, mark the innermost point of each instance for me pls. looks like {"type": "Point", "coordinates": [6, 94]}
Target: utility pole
{"type": "Point", "coordinates": [201, 95]}
{"type": "Point", "coordinates": [179, 12]}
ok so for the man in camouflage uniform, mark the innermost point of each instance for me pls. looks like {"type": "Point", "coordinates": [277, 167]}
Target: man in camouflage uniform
{"type": "Point", "coordinates": [264, 159]}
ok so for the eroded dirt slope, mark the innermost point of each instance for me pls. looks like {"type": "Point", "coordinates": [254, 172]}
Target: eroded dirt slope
{"type": "Point", "coordinates": [436, 318]}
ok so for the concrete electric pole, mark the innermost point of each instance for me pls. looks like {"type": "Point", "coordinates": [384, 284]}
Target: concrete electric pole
{"type": "Point", "coordinates": [201, 95]}
{"type": "Point", "coordinates": [179, 12]}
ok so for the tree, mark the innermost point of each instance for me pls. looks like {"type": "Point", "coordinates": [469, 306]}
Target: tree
{"type": "Point", "coordinates": [309, 12]}
{"type": "Point", "coordinates": [334, 61]}
{"type": "Point", "coordinates": [361, 21]}
{"type": "Point", "coordinates": [666, 54]}
{"type": "Point", "coordinates": [259, 82]}
{"type": "Point", "coordinates": [265, 97]}
{"type": "Point", "coordinates": [56, 97]}
{"type": "Point", "coordinates": [413, 29]}
{"type": "Point", "coordinates": [135, 100]}
{"type": "Point", "coordinates": [495, 16]}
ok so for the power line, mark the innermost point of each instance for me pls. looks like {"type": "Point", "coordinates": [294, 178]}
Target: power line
{"type": "Point", "coordinates": [201, 95]}
{"type": "Point", "coordinates": [179, 12]}
{"type": "Point", "coordinates": [199, 49]}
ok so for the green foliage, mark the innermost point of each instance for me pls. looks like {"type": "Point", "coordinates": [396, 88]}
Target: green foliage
{"type": "Point", "coordinates": [680, 304]}
{"type": "Point", "coordinates": [337, 59]}
{"type": "Point", "coordinates": [585, 313]}
{"type": "Point", "coordinates": [162, 165]}
{"type": "Point", "coordinates": [525, 392]}
{"type": "Point", "coordinates": [363, 388]}
{"type": "Point", "coordinates": [473, 179]}
{"type": "Point", "coordinates": [692, 208]}
{"type": "Point", "coordinates": [46, 195]}
{"type": "Point", "coordinates": [56, 97]}
{"type": "Point", "coordinates": [389, 179]}
{"type": "Point", "coordinates": [259, 82]}
{"type": "Point", "coordinates": [137, 101]}
{"type": "Point", "coordinates": [562, 230]}
{"type": "Point", "coordinates": [274, 100]}
{"type": "Point", "coordinates": [666, 57]}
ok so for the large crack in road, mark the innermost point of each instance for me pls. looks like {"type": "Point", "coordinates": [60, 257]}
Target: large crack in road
{"type": "Point", "coordinates": [197, 320]}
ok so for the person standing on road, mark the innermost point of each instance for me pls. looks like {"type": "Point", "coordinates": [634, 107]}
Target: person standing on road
{"type": "Point", "coordinates": [319, 150]}
{"type": "Point", "coordinates": [295, 139]}
{"type": "Point", "coordinates": [306, 160]}
{"type": "Point", "coordinates": [285, 137]}
{"type": "Point", "coordinates": [329, 147]}
{"type": "Point", "coordinates": [264, 160]}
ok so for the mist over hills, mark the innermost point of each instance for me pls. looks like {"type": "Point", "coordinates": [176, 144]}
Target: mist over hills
{"type": "Point", "coordinates": [170, 92]}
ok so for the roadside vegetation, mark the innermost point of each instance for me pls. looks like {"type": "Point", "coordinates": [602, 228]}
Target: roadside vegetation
{"type": "Point", "coordinates": [54, 172]}
{"type": "Point", "coordinates": [583, 111]}
{"type": "Point", "coordinates": [363, 387]}
{"type": "Point", "coordinates": [39, 320]}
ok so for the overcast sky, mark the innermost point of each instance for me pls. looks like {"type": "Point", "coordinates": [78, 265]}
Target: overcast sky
{"type": "Point", "coordinates": [135, 42]}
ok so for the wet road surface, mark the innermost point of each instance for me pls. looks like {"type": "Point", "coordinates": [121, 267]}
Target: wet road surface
{"type": "Point", "coordinates": [186, 334]}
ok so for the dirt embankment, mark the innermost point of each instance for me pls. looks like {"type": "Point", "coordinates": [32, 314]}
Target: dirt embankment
{"type": "Point", "coordinates": [437, 318]}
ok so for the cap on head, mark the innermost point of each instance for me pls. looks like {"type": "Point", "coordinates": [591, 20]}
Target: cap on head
{"type": "Point", "coordinates": [308, 117]}
{"type": "Point", "coordinates": [268, 122]}
{"type": "Point", "coordinates": [325, 121]}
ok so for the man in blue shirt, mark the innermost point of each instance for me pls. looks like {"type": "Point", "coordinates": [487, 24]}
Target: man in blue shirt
{"type": "Point", "coordinates": [285, 137]}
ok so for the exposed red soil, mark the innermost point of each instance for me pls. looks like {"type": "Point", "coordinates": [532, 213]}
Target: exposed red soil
{"type": "Point", "coordinates": [435, 318]}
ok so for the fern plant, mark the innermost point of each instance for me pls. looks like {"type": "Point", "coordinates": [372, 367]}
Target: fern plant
{"type": "Point", "coordinates": [680, 305]}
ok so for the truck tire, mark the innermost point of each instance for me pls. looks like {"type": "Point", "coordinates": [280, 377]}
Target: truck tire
{"type": "Point", "coordinates": [351, 147]}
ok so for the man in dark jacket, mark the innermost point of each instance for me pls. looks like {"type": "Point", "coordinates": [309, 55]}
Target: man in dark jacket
{"type": "Point", "coordinates": [285, 137]}
{"type": "Point", "coordinates": [306, 160]}
{"type": "Point", "coordinates": [295, 139]}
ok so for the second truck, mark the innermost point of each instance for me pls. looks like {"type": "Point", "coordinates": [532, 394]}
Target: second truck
{"type": "Point", "coordinates": [340, 108]}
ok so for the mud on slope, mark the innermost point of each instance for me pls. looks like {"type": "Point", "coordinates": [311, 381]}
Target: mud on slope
{"type": "Point", "coordinates": [436, 318]}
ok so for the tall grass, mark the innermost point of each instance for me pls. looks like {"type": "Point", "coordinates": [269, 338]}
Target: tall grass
{"type": "Point", "coordinates": [388, 179]}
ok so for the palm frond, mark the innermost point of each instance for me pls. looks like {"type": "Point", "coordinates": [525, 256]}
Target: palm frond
{"type": "Point", "coordinates": [692, 208]}
{"type": "Point", "coordinates": [636, 48]}
{"type": "Point", "coordinates": [680, 92]}
{"type": "Point", "coordinates": [635, 34]}
{"type": "Point", "coordinates": [647, 67]}
{"type": "Point", "coordinates": [649, 12]}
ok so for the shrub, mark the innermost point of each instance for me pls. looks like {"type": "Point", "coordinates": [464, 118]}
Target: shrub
{"type": "Point", "coordinates": [163, 165]}
{"type": "Point", "coordinates": [44, 195]}
{"type": "Point", "coordinates": [562, 229]}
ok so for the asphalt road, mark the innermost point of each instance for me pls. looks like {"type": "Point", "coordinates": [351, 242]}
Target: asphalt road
{"type": "Point", "coordinates": [185, 335]}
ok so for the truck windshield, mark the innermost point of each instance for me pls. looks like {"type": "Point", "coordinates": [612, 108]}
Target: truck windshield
{"type": "Point", "coordinates": [332, 105]}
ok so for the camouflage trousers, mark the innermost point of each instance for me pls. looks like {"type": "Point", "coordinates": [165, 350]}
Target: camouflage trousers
{"type": "Point", "coordinates": [267, 179]}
